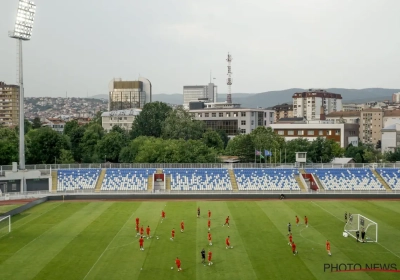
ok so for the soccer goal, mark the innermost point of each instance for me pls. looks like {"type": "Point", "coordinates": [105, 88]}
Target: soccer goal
{"type": "Point", "coordinates": [358, 222]}
{"type": "Point", "coordinates": [5, 224]}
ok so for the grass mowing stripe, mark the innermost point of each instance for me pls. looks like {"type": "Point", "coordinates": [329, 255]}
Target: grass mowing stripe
{"type": "Point", "coordinates": [85, 248]}
{"type": "Point", "coordinates": [340, 219]}
{"type": "Point", "coordinates": [37, 254]}
{"type": "Point", "coordinates": [109, 244]}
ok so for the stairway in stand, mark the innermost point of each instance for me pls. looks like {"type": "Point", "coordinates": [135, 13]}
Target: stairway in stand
{"type": "Point", "coordinates": [54, 181]}
{"type": "Point", "coordinates": [100, 180]}
{"type": "Point", "coordinates": [381, 180]}
{"type": "Point", "coordinates": [233, 180]}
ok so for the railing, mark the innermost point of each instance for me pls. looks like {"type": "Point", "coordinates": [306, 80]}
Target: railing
{"type": "Point", "coordinates": [48, 167]}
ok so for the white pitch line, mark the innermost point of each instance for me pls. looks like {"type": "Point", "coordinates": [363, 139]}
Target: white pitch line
{"type": "Point", "coordinates": [341, 220]}
{"type": "Point", "coordinates": [105, 250]}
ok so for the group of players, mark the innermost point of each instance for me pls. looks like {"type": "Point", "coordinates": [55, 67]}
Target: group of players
{"type": "Point", "coordinates": [140, 233]}
{"type": "Point", "coordinates": [293, 245]}
{"type": "Point", "coordinates": [350, 221]}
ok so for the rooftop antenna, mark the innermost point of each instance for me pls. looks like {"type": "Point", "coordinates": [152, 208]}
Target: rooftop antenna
{"type": "Point", "coordinates": [229, 80]}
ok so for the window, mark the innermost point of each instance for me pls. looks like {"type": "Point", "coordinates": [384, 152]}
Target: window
{"type": "Point", "coordinates": [206, 115]}
{"type": "Point", "coordinates": [125, 118]}
{"type": "Point", "coordinates": [281, 132]}
{"type": "Point", "coordinates": [329, 132]}
{"type": "Point", "coordinates": [199, 115]}
{"type": "Point", "coordinates": [310, 132]}
{"type": "Point", "coordinates": [213, 115]}
{"type": "Point", "coordinates": [321, 132]}
{"type": "Point", "coordinates": [337, 132]}
{"type": "Point", "coordinates": [235, 115]}
{"type": "Point", "coordinates": [252, 122]}
{"type": "Point", "coordinates": [290, 132]}
{"type": "Point", "coordinates": [243, 114]}
{"type": "Point", "coordinates": [220, 115]}
{"type": "Point", "coordinates": [300, 132]}
{"type": "Point", "coordinates": [228, 114]}
{"type": "Point", "coordinates": [243, 131]}
{"type": "Point", "coordinates": [243, 122]}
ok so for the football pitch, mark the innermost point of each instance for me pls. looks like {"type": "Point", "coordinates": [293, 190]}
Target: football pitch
{"type": "Point", "coordinates": [96, 240]}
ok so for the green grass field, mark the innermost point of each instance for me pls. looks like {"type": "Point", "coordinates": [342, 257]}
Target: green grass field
{"type": "Point", "coordinates": [96, 240]}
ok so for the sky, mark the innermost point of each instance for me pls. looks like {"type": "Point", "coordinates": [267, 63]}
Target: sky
{"type": "Point", "coordinates": [80, 46]}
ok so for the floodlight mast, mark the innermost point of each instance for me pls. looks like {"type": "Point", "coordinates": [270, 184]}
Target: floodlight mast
{"type": "Point", "coordinates": [22, 32]}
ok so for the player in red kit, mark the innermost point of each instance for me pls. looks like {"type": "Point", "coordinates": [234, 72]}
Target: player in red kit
{"type": "Point", "coordinates": [209, 239]}
{"type": "Point", "coordinates": [172, 234]}
{"type": "Point", "coordinates": [137, 230]}
{"type": "Point", "coordinates": [209, 214]}
{"type": "Point", "coordinates": [198, 212]}
{"type": "Point", "coordinates": [148, 232]}
{"type": "Point", "coordinates": [328, 247]}
{"type": "Point", "coordinates": [162, 216]}
{"type": "Point", "coordinates": [209, 257]}
{"type": "Point", "coordinates": [228, 243]}
{"type": "Point", "coordinates": [306, 221]}
{"type": "Point", "coordinates": [294, 249]}
{"type": "Point", "coordinates": [226, 221]}
{"type": "Point", "coordinates": [137, 221]}
{"type": "Point", "coordinates": [182, 226]}
{"type": "Point", "coordinates": [290, 239]}
{"type": "Point", "coordinates": [141, 241]}
{"type": "Point", "coordinates": [141, 230]}
{"type": "Point", "coordinates": [297, 221]}
{"type": "Point", "coordinates": [209, 224]}
{"type": "Point", "coordinates": [178, 264]}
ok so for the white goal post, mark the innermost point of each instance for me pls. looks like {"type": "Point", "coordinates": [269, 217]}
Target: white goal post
{"type": "Point", "coordinates": [357, 222]}
{"type": "Point", "coordinates": [5, 224]}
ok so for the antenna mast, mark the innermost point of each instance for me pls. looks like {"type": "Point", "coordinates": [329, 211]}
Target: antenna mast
{"type": "Point", "coordinates": [229, 79]}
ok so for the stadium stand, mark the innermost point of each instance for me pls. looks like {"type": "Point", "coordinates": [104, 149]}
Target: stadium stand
{"type": "Point", "coordinates": [266, 179]}
{"type": "Point", "coordinates": [391, 176]}
{"type": "Point", "coordinates": [200, 179]}
{"type": "Point", "coordinates": [347, 179]}
{"type": "Point", "coordinates": [126, 179]}
{"type": "Point", "coordinates": [77, 179]}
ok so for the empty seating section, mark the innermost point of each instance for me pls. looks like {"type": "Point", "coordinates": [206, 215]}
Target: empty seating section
{"type": "Point", "coordinates": [347, 179]}
{"type": "Point", "coordinates": [77, 179]}
{"type": "Point", "coordinates": [126, 179]}
{"type": "Point", "coordinates": [266, 179]}
{"type": "Point", "coordinates": [391, 176]}
{"type": "Point", "coordinates": [201, 179]}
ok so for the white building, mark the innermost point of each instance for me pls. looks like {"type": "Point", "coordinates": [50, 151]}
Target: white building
{"type": "Point", "coordinates": [313, 104]}
{"type": "Point", "coordinates": [122, 118]}
{"type": "Point", "coordinates": [344, 117]}
{"type": "Point", "coordinates": [195, 93]}
{"type": "Point", "coordinates": [353, 107]}
{"type": "Point", "coordinates": [390, 137]}
{"type": "Point", "coordinates": [342, 133]}
{"type": "Point", "coordinates": [230, 117]}
{"type": "Point", "coordinates": [55, 123]}
{"type": "Point", "coordinates": [396, 97]}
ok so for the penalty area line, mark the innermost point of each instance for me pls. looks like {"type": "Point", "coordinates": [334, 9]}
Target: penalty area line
{"type": "Point", "coordinates": [108, 246]}
{"type": "Point", "coordinates": [341, 220]}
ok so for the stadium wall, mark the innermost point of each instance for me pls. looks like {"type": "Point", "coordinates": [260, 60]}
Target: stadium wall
{"type": "Point", "coordinates": [26, 207]}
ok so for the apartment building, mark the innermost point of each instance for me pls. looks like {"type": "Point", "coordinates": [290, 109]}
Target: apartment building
{"type": "Point", "coordinates": [353, 107]}
{"type": "Point", "coordinates": [56, 124]}
{"type": "Point", "coordinates": [231, 117]}
{"type": "Point", "coordinates": [202, 92]}
{"type": "Point", "coordinates": [284, 110]}
{"type": "Point", "coordinates": [342, 133]}
{"type": "Point", "coordinates": [391, 117]}
{"type": "Point", "coordinates": [121, 118]}
{"type": "Point", "coordinates": [344, 117]}
{"type": "Point", "coordinates": [9, 105]}
{"type": "Point", "coordinates": [390, 138]}
{"type": "Point", "coordinates": [314, 104]}
{"type": "Point", "coordinates": [371, 124]}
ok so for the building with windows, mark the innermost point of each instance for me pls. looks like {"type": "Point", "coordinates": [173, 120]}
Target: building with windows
{"type": "Point", "coordinates": [9, 105]}
{"type": "Point", "coordinates": [129, 94]}
{"type": "Point", "coordinates": [344, 117]}
{"type": "Point", "coordinates": [231, 117]}
{"type": "Point", "coordinates": [195, 93]}
{"type": "Point", "coordinates": [371, 124]}
{"type": "Point", "coordinates": [342, 133]}
{"type": "Point", "coordinates": [315, 104]}
{"type": "Point", "coordinates": [390, 138]}
{"type": "Point", "coordinates": [57, 124]}
{"type": "Point", "coordinates": [353, 107]}
{"type": "Point", "coordinates": [121, 118]}
{"type": "Point", "coordinates": [284, 110]}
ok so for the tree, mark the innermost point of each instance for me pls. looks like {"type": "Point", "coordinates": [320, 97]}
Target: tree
{"type": "Point", "coordinates": [151, 120]}
{"type": "Point", "coordinates": [92, 135]}
{"type": "Point", "coordinates": [97, 119]}
{"type": "Point", "coordinates": [36, 123]}
{"type": "Point", "coordinates": [43, 145]}
{"type": "Point", "coordinates": [378, 144]}
{"type": "Point", "coordinates": [112, 143]}
{"type": "Point", "coordinates": [224, 137]}
{"type": "Point", "coordinates": [70, 126]}
{"type": "Point", "coordinates": [393, 156]}
{"type": "Point", "coordinates": [241, 146]}
{"type": "Point", "coordinates": [128, 153]}
{"type": "Point", "coordinates": [27, 127]}
{"type": "Point", "coordinates": [8, 146]}
{"type": "Point", "coordinates": [266, 139]}
{"type": "Point", "coordinates": [324, 150]}
{"type": "Point", "coordinates": [180, 124]}
{"type": "Point", "coordinates": [66, 157]}
{"type": "Point", "coordinates": [75, 137]}
{"type": "Point", "coordinates": [294, 146]}
{"type": "Point", "coordinates": [213, 139]}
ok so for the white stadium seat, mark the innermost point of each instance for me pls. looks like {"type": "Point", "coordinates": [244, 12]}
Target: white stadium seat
{"type": "Point", "coordinates": [126, 179]}
{"type": "Point", "coordinates": [391, 176]}
{"type": "Point", "coordinates": [266, 179]}
{"type": "Point", "coordinates": [77, 179]}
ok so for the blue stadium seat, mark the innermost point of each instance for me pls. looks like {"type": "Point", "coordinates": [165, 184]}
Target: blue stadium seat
{"type": "Point", "coordinates": [126, 179]}
{"type": "Point", "coordinates": [266, 179]}
{"type": "Point", "coordinates": [347, 179]}
{"type": "Point", "coordinates": [199, 179]}
{"type": "Point", "coordinates": [391, 176]}
{"type": "Point", "coordinates": [77, 179]}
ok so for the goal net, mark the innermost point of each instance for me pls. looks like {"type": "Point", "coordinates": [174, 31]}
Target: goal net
{"type": "Point", "coordinates": [5, 224]}
{"type": "Point", "coordinates": [357, 222]}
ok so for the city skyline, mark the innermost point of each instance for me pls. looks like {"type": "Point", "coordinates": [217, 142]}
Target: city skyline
{"type": "Point", "coordinates": [276, 45]}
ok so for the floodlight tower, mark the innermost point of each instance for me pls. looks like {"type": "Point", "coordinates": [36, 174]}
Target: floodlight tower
{"type": "Point", "coordinates": [22, 32]}
{"type": "Point", "coordinates": [229, 79]}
